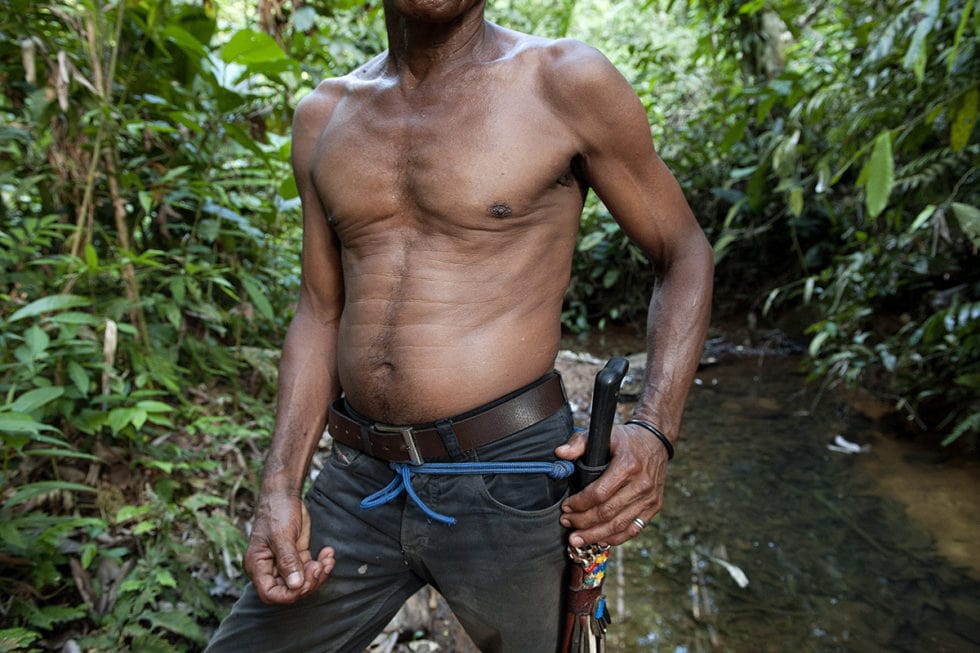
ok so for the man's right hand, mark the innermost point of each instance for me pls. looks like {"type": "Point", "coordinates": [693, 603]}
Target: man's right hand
{"type": "Point", "coordinates": [278, 558]}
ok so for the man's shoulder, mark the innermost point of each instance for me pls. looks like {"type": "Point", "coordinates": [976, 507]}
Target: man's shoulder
{"type": "Point", "coordinates": [571, 66]}
{"type": "Point", "coordinates": [320, 103]}
{"type": "Point", "coordinates": [564, 67]}
{"type": "Point", "coordinates": [582, 86]}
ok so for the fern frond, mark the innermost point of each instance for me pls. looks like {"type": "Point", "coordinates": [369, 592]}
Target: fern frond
{"type": "Point", "coordinates": [932, 167]}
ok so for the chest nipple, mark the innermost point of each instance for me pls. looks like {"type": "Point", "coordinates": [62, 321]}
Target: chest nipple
{"type": "Point", "coordinates": [499, 210]}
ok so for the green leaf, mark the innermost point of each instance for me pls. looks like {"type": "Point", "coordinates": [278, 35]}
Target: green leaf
{"type": "Point", "coordinates": [288, 189]}
{"type": "Point", "coordinates": [153, 406]}
{"type": "Point", "coordinates": [258, 299]}
{"type": "Point", "coordinates": [610, 278]}
{"type": "Point", "coordinates": [198, 501]}
{"type": "Point", "coordinates": [165, 578]}
{"type": "Point", "coordinates": [14, 440]}
{"type": "Point", "coordinates": [250, 47]}
{"type": "Point", "coordinates": [752, 7]}
{"type": "Point", "coordinates": [74, 317]}
{"type": "Point", "coordinates": [209, 229]}
{"type": "Point", "coordinates": [817, 343]}
{"type": "Point", "coordinates": [184, 40]}
{"type": "Point", "coordinates": [88, 554]}
{"type": "Point", "coordinates": [21, 423]}
{"type": "Point", "coordinates": [963, 119]}
{"type": "Point", "coordinates": [34, 399]}
{"type": "Point", "coordinates": [969, 219]}
{"type": "Point", "coordinates": [91, 257]}
{"type": "Point", "coordinates": [127, 513]}
{"type": "Point", "coordinates": [144, 527]}
{"type": "Point", "coordinates": [79, 377]}
{"type": "Point", "coordinates": [49, 304]}
{"type": "Point", "coordinates": [590, 240]}
{"type": "Point", "coordinates": [808, 287]}
{"type": "Point", "coordinates": [163, 465]}
{"type": "Point", "coordinates": [721, 246]}
{"type": "Point", "coordinates": [36, 340]}
{"type": "Point", "coordinates": [921, 219]}
{"type": "Point", "coordinates": [31, 490]}
{"type": "Point", "coordinates": [796, 202]}
{"type": "Point", "coordinates": [960, 29]}
{"type": "Point", "coordinates": [11, 535]}
{"type": "Point", "coordinates": [968, 380]}
{"type": "Point", "coordinates": [61, 453]}
{"type": "Point", "coordinates": [734, 134]}
{"type": "Point", "coordinates": [47, 616]}
{"type": "Point", "coordinates": [148, 643]}
{"type": "Point", "coordinates": [916, 56]}
{"type": "Point", "coordinates": [880, 175]}
{"type": "Point", "coordinates": [120, 418]}
{"type": "Point", "coordinates": [970, 424]}
{"type": "Point", "coordinates": [17, 639]}
{"type": "Point", "coordinates": [177, 622]}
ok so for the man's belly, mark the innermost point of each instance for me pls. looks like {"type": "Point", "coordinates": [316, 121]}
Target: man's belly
{"type": "Point", "coordinates": [442, 363]}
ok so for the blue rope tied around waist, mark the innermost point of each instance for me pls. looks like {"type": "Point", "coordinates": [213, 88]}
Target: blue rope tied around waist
{"type": "Point", "coordinates": [403, 479]}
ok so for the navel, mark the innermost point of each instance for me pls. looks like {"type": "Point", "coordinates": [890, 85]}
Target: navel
{"type": "Point", "coordinates": [499, 210]}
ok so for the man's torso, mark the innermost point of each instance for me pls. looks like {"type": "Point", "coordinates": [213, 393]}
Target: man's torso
{"type": "Point", "coordinates": [456, 206]}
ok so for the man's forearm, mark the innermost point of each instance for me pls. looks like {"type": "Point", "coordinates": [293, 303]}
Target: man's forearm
{"type": "Point", "coordinates": [677, 323]}
{"type": "Point", "coordinates": [308, 382]}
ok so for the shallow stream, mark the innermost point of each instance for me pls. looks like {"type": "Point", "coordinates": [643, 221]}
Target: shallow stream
{"type": "Point", "coordinates": [842, 552]}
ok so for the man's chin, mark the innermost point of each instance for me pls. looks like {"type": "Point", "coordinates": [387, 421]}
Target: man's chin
{"type": "Point", "coordinates": [433, 11]}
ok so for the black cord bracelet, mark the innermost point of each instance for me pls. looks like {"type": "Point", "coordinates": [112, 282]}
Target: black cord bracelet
{"type": "Point", "coordinates": [660, 436]}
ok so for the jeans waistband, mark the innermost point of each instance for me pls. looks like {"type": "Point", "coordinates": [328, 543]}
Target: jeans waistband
{"type": "Point", "coordinates": [418, 443]}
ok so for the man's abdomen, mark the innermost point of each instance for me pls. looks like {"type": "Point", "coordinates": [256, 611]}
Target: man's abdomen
{"type": "Point", "coordinates": [442, 361]}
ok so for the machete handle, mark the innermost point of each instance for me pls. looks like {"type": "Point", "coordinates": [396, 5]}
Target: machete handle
{"type": "Point", "coordinates": [604, 398]}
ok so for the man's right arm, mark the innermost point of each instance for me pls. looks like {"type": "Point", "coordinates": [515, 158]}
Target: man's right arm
{"type": "Point", "coordinates": [278, 558]}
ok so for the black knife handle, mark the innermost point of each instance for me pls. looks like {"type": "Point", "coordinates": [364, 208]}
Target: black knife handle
{"type": "Point", "coordinates": [604, 399]}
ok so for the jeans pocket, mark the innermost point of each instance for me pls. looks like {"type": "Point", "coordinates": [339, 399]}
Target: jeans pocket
{"type": "Point", "coordinates": [525, 492]}
{"type": "Point", "coordinates": [529, 492]}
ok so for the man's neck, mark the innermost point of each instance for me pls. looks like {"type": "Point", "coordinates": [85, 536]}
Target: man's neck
{"type": "Point", "coordinates": [417, 49]}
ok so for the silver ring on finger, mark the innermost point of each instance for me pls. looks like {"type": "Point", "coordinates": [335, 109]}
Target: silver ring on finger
{"type": "Point", "coordinates": [639, 523]}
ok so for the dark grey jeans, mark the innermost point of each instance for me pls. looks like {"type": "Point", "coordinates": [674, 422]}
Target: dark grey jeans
{"type": "Point", "coordinates": [501, 567]}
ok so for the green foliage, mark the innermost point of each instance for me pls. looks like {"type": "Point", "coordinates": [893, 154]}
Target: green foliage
{"type": "Point", "coordinates": [146, 221]}
{"type": "Point", "coordinates": [149, 248]}
{"type": "Point", "coordinates": [607, 272]}
{"type": "Point", "coordinates": [902, 249]}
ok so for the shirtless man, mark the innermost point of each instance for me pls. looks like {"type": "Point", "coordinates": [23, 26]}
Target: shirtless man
{"type": "Point", "coordinates": [442, 184]}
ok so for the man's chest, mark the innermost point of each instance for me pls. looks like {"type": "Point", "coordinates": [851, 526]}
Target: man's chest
{"type": "Point", "coordinates": [460, 161]}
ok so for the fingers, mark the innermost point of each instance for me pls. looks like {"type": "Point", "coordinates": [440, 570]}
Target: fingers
{"type": "Point", "coordinates": [612, 531]}
{"type": "Point", "coordinates": [605, 515]}
{"type": "Point", "coordinates": [289, 564]}
{"type": "Point", "coordinates": [631, 488]}
{"type": "Point", "coordinates": [574, 448]}
{"type": "Point", "coordinates": [279, 561]}
{"type": "Point", "coordinates": [275, 587]}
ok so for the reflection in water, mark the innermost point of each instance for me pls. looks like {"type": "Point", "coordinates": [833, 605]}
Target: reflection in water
{"type": "Point", "coordinates": [833, 562]}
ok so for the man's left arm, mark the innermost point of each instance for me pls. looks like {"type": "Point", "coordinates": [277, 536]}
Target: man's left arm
{"type": "Point", "coordinates": [621, 165]}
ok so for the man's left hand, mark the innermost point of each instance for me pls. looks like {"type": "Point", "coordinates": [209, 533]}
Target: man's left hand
{"type": "Point", "coordinates": [632, 486]}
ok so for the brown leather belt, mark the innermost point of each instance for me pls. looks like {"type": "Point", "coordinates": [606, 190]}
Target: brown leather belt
{"type": "Point", "coordinates": [416, 444]}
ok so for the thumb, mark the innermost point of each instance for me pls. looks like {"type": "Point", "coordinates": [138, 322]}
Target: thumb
{"type": "Point", "coordinates": [574, 448]}
{"type": "Point", "coordinates": [287, 562]}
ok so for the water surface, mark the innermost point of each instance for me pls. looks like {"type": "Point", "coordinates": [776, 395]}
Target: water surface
{"type": "Point", "coordinates": [836, 551]}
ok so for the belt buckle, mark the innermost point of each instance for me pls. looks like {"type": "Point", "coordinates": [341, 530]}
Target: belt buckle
{"type": "Point", "coordinates": [408, 436]}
